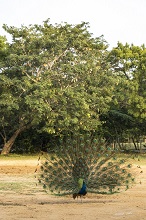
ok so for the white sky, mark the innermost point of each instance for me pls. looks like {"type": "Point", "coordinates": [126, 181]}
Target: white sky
{"type": "Point", "coordinates": [117, 20]}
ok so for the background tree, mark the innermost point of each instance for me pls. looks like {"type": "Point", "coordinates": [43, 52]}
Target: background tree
{"type": "Point", "coordinates": [54, 78]}
{"type": "Point", "coordinates": [126, 117]}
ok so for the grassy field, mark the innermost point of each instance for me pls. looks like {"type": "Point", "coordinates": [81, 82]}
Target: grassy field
{"type": "Point", "coordinates": [22, 198]}
{"type": "Point", "coordinates": [18, 165]}
{"type": "Point", "coordinates": [19, 157]}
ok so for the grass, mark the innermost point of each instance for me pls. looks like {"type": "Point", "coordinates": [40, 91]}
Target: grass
{"type": "Point", "coordinates": [21, 183]}
{"type": "Point", "coordinates": [28, 184]}
{"type": "Point", "coordinates": [11, 186]}
{"type": "Point", "coordinates": [19, 157]}
{"type": "Point", "coordinates": [19, 187]}
{"type": "Point", "coordinates": [137, 156]}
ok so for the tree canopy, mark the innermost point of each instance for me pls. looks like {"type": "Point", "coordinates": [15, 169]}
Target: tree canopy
{"type": "Point", "coordinates": [59, 78]}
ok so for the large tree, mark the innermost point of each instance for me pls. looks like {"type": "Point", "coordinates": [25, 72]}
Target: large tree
{"type": "Point", "coordinates": [127, 114]}
{"type": "Point", "coordinates": [54, 76]}
{"type": "Point", "coordinates": [129, 63]}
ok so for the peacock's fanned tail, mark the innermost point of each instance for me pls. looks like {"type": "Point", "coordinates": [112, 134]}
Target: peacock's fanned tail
{"type": "Point", "coordinates": [101, 167]}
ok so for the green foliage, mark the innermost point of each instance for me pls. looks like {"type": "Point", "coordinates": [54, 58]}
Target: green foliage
{"type": "Point", "coordinates": [54, 78]}
{"type": "Point", "coordinates": [3, 49]}
{"type": "Point", "coordinates": [126, 117]}
{"type": "Point", "coordinates": [129, 63]}
{"type": "Point", "coordinates": [59, 78]}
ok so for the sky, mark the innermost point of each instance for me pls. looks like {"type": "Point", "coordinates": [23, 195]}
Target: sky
{"type": "Point", "coordinates": [116, 20]}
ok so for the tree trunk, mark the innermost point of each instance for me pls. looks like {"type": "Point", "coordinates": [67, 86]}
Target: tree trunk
{"type": "Point", "coordinates": [8, 145]}
{"type": "Point", "coordinates": [134, 143]}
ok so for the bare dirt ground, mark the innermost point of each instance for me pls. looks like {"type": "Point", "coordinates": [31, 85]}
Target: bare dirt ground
{"type": "Point", "coordinates": [20, 198]}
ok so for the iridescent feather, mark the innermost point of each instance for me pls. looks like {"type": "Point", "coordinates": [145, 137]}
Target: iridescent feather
{"type": "Point", "coordinates": [85, 158]}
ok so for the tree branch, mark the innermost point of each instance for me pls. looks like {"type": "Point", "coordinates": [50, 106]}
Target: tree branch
{"type": "Point", "coordinates": [51, 63]}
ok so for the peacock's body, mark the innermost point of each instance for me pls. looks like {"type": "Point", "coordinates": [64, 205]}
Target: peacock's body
{"type": "Point", "coordinates": [84, 164]}
{"type": "Point", "coordinates": [82, 189]}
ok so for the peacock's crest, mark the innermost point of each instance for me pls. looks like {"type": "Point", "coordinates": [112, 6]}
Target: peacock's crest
{"type": "Point", "coordinates": [86, 158]}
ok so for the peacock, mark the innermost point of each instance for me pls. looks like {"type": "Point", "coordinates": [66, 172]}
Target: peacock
{"type": "Point", "coordinates": [84, 163]}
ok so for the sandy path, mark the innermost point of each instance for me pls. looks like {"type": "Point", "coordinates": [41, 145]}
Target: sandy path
{"type": "Point", "coordinates": [28, 201]}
